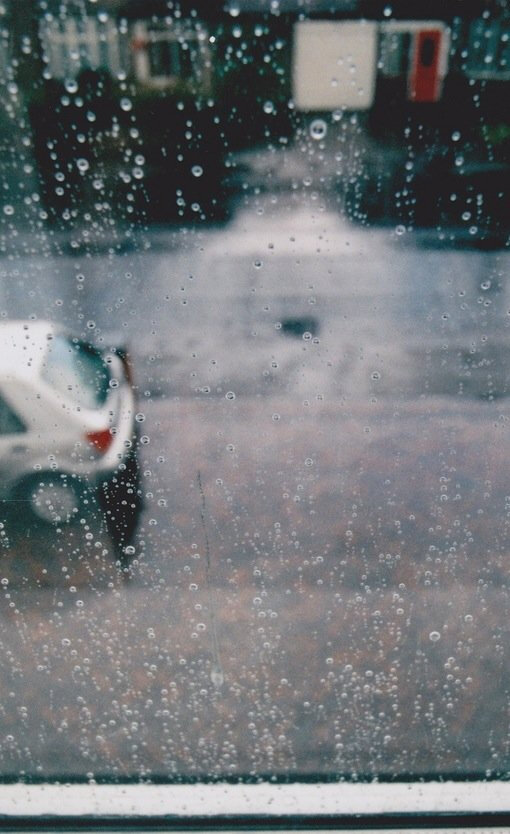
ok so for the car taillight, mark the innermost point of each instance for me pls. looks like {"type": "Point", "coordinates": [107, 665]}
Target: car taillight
{"type": "Point", "coordinates": [101, 440]}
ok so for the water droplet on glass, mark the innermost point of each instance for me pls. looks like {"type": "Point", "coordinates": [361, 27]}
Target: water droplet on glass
{"type": "Point", "coordinates": [268, 107]}
{"type": "Point", "coordinates": [318, 129]}
{"type": "Point", "coordinates": [217, 677]}
{"type": "Point", "coordinates": [197, 170]}
{"type": "Point", "coordinates": [82, 165]}
{"type": "Point", "coordinates": [126, 104]}
{"type": "Point", "coordinates": [434, 636]}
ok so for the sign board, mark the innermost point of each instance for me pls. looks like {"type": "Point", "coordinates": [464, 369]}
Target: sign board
{"type": "Point", "coordinates": [426, 44]}
{"type": "Point", "coordinates": [334, 64]}
{"type": "Point", "coordinates": [425, 77]}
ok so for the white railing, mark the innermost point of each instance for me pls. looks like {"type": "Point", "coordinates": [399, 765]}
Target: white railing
{"type": "Point", "coordinates": [72, 45]}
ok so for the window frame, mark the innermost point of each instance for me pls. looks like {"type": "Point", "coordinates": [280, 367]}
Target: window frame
{"type": "Point", "coordinates": [291, 805]}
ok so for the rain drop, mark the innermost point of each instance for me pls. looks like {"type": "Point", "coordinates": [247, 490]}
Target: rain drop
{"type": "Point", "coordinates": [71, 85]}
{"type": "Point", "coordinates": [216, 677]}
{"type": "Point", "coordinates": [318, 129]}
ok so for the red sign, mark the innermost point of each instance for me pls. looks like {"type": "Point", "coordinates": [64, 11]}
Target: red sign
{"type": "Point", "coordinates": [424, 82]}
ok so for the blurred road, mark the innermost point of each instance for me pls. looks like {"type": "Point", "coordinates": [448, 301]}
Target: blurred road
{"type": "Point", "coordinates": [320, 577]}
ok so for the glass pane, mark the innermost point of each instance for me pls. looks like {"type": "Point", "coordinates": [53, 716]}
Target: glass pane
{"type": "Point", "coordinates": [260, 527]}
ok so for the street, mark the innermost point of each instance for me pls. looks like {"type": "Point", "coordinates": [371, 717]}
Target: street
{"type": "Point", "coordinates": [320, 577]}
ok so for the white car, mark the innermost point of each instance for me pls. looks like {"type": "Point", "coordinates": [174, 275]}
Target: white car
{"type": "Point", "coordinates": [67, 428]}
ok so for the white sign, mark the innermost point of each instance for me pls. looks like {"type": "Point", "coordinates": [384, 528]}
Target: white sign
{"type": "Point", "coordinates": [334, 64]}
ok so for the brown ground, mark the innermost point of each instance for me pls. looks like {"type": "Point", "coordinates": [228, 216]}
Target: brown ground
{"type": "Point", "coordinates": [333, 600]}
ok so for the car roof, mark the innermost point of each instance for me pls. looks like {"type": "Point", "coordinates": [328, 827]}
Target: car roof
{"type": "Point", "coordinates": [23, 347]}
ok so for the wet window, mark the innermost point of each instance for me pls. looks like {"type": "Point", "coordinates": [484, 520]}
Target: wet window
{"type": "Point", "coordinates": [255, 310]}
{"type": "Point", "coordinates": [76, 370]}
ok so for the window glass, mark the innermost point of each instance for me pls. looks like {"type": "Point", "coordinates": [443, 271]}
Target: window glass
{"type": "Point", "coordinates": [10, 423]}
{"type": "Point", "coordinates": [76, 370]}
{"type": "Point", "coordinates": [163, 58]}
{"type": "Point", "coordinates": [427, 52]}
{"type": "Point", "coordinates": [261, 531]}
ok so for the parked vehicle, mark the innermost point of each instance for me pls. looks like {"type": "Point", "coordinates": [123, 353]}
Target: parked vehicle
{"type": "Point", "coordinates": [67, 429]}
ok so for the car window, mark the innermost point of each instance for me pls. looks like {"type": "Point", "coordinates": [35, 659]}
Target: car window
{"type": "Point", "coordinates": [258, 253]}
{"type": "Point", "coordinates": [76, 370]}
{"type": "Point", "coordinates": [10, 422]}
